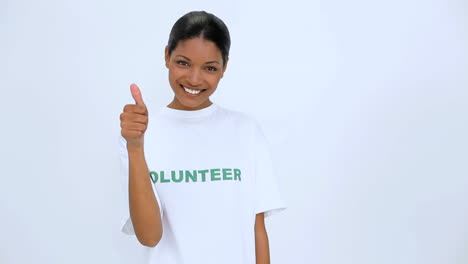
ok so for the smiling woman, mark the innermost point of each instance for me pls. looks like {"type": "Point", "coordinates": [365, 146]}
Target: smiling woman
{"type": "Point", "coordinates": [196, 56]}
{"type": "Point", "coordinates": [195, 69]}
{"type": "Point", "coordinates": [200, 182]}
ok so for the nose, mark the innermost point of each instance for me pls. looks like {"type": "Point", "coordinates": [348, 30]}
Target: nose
{"type": "Point", "coordinates": [195, 78]}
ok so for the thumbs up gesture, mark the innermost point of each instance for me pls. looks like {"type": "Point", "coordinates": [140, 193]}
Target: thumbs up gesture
{"type": "Point", "coordinates": [134, 119]}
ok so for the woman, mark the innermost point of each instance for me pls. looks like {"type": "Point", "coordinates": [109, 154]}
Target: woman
{"type": "Point", "coordinates": [210, 181]}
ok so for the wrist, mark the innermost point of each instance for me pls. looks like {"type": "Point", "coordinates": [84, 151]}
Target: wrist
{"type": "Point", "coordinates": [135, 148]}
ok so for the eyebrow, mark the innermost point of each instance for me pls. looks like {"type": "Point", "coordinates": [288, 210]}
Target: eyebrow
{"type": "Point", "coordinates": [205, 62]}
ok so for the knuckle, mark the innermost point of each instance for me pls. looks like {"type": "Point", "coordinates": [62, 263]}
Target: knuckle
{"type": "Point", "coordinates": [130, 108]}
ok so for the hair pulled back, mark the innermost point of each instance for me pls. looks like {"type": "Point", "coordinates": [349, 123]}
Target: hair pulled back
{"type": "Point", "coordinates": [204, 25]}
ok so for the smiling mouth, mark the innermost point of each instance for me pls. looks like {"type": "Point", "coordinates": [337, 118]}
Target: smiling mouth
{"type": "Point", "coordinates": [192, 92]}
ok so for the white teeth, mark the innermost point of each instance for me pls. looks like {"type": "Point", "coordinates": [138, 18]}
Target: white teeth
{"type": "Point", "coordinates": [191, 91]}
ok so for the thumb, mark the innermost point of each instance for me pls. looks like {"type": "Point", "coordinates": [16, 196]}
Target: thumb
{"type": "Point", "coordinates": [136, 94]}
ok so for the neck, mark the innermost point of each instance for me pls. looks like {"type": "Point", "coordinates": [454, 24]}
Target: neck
{"type": "Point", "coordinates": [175, 104]}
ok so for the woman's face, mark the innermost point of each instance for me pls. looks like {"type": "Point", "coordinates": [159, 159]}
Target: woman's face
{"type": "Point", "coordinates": [195, 68]}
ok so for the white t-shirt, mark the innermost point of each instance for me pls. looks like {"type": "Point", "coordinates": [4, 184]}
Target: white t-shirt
{"type": "Point", "coordinates": [212, 173]}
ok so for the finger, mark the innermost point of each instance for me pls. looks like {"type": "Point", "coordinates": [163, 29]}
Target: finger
{"type": "Point", "coordinates": [135, 118]}
{"type": "Point", "coordinates": [134, 126]}
{"type": "Point", "coordinates": [136, 93]}
{"type": "Point", "coordinates": [132, 133]}
{"type": "Point", "coordinates": [138, 109]}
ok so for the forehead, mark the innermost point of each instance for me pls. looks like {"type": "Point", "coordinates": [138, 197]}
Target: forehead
{"type": "Point", "coordinates": [198, 49]}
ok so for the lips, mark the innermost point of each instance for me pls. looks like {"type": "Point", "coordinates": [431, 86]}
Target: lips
{"type": "Point", "coordinates": [191, 88]}
{"type": "Point", "coordinates": [191, 91]}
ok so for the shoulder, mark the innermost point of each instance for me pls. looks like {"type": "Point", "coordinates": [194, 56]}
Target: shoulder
{"type": "Point", "coordinates": [246, 125]}
{"type": "Point", "coordinates": [242, 118]}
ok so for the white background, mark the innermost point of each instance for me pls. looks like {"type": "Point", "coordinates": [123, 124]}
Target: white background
{"type": "Point", "coordinates": [364, 104]}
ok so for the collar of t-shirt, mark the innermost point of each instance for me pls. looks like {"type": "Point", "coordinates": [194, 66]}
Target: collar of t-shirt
{"type": "Point", "coordinates": [190, 114]}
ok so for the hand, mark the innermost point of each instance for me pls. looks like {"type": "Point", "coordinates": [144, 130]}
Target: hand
{"type": "Point", "coordinates": [134, 119]}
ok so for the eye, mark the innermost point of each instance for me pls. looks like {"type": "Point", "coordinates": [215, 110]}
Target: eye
{"type": "Point", "coordinates": [181, 62]}
{"type": "Point", "coordinates": [210, 68]}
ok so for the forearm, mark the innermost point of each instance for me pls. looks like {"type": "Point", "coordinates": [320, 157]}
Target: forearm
{"type": "Point", "coordinates": [262, 248]}
{"type": "Point", "coordinates": [144, 209]}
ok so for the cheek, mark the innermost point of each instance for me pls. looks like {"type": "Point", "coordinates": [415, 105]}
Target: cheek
{"type": "Point", "coordinates": [174, 74]}
{"type": "Point", "coordinates": [213, 80]}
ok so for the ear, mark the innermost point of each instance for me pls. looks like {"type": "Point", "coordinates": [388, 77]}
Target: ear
{"type": "Point", "coordinates": [166, 56]}
{"type": "Point", "coordinates": [224, 67]}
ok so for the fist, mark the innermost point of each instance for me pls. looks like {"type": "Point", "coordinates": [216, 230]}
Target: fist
{"type": "Point", "coordinates": [134, 119]}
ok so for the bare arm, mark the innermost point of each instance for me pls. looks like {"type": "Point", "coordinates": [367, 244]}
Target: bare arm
{"type": "Point", "coordinates": [144, 209]}
{"type": "Point", "coordinates": [262, 250]}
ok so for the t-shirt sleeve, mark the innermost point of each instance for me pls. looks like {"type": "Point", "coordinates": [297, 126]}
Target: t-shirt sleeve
{"type": "Point", "coordinates": [268, 198]}
{"type": "Point", "coordinates": [126, 222]}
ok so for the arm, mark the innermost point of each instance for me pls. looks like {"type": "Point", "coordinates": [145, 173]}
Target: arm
{"type": "Point", "coordinates": [144, 209]}
{"type": "Point", "coordinates": [262, 250]}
